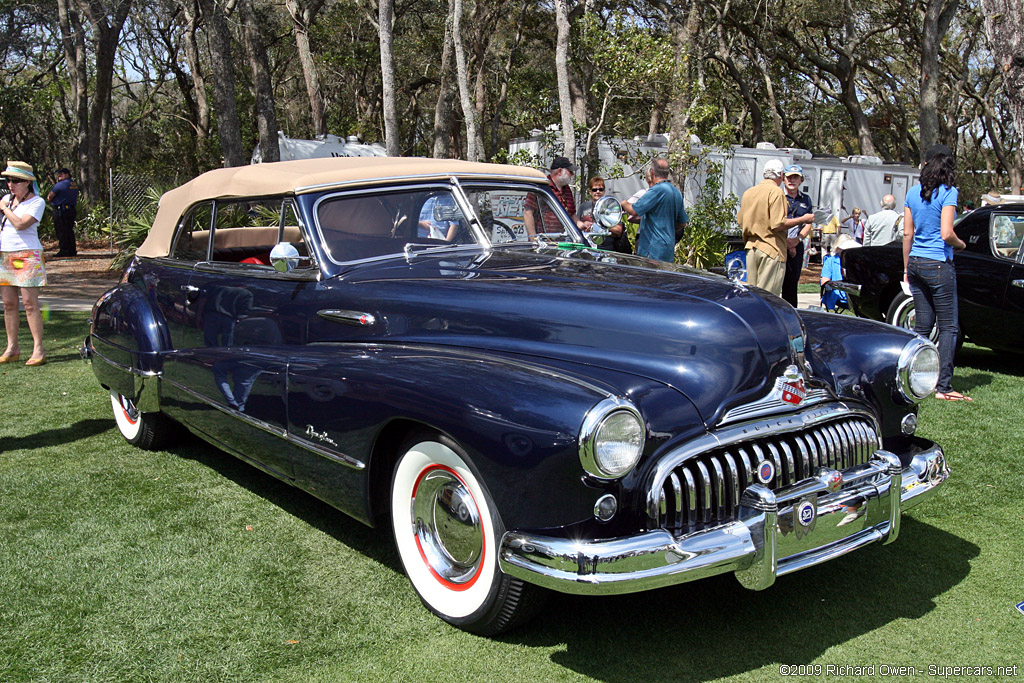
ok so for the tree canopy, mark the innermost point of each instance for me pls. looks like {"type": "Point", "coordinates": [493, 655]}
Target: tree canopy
{"type": "Point", "coordinates": [171, 88]}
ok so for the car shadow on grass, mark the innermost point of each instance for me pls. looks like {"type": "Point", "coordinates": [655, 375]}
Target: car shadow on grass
{"type": "Point", "coordinates": [714, 628]}
{"type": "Point", "coordinates": [375, 543]}
{"type": "Point", "coordinates": [83, 429]}
{"type": "Point", "coordinates": [986, 360]}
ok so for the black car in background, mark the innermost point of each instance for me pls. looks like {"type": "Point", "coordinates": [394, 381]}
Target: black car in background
{"type": "Point", "coordinates": [989, 272]}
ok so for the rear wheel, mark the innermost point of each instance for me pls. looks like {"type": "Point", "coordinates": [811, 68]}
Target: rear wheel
{"type": "Point", "coordinates": [902, 314]}
{"type": "Point", "coordinates": [447, 532]}
{"type": "Point", "coordinates": [144, 430]}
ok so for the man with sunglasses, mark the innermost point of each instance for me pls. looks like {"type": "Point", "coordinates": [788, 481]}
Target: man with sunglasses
{"type": "Point", "coordinates": [616, 239]}
{"type": "Point", "coordinates": [560, 179]}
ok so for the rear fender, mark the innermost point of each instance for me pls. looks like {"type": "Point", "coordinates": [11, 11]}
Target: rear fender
{"type": "Point", "coordinates": [127, 339]}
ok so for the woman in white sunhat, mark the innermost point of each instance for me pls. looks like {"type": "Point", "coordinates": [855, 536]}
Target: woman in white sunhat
{"type": "Point", "coordinates": [21, 259]}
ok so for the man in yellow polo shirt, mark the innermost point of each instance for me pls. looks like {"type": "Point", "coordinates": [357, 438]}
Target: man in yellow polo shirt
{"type": "Point", "coordinates": [762, 216]}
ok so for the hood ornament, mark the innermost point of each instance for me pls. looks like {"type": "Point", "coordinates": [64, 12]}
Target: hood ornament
{"type": "Point", "coordinates": [791, 385]}
{"type": "Point", "coordinates": [736, 271]}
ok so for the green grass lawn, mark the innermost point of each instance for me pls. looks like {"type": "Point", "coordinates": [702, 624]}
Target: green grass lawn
{"type": "Point", "coordinates": [187, 565]}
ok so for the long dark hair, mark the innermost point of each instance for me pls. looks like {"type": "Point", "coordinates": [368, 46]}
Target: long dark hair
{"type": "Point", "coordinates": [938, 171]}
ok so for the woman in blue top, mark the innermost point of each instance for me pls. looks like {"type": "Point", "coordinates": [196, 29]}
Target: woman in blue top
{"type": "Point", "coordinates": [928, 246]}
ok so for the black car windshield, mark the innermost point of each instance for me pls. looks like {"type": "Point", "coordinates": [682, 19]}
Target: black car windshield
{"type": "Point", "coordinates": [511, 214]}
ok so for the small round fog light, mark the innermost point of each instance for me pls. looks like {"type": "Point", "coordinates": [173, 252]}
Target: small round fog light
{"type": "Point", "coordinates": [909, 424]}
{"type": "Point", "coordinates": [606, 507]}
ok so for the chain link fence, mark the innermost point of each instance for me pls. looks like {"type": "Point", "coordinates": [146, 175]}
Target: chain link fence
{"type": "Point", "coordinates": [129, 194]}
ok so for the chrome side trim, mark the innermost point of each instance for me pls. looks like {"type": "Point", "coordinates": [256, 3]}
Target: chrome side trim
{"type": "Point", "coordinates": [94, 353]}
{"type": "Point", "coordinates": [848, 287]}
{"type": "Point", "coordinates": [347, 317]}
{"type": "Point", "coordinates": [341, 458]}
{"type": "Point", "coordinates": [766, 540]}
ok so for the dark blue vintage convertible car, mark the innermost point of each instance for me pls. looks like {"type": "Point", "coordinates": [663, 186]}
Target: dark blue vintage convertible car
{"type": "Point", "coordinates": [524, 411]}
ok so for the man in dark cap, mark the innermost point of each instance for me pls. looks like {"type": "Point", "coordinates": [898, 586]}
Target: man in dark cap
{"type": "Point", "coordinates": [799, 222]}
{"type": "Point", "coordinates": [63, 197]}
{"type": "Point", "coordinates": [559, 178]}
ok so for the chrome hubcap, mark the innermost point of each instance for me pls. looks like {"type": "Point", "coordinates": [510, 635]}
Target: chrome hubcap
{"type": "Point", "coordinates": [907, 318]}
{"type": "Point", "coordinates": [447, 524]}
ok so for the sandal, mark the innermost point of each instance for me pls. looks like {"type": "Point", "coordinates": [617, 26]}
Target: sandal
{"type": "Point", "coordinates": [952, 396]}
{"type": "Point", "coordinates": [32, 362]}
{"type": "Point", "coordinates": [11, 358]}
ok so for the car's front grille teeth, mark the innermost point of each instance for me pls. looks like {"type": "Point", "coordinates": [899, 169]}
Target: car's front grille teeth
{"type": "Point", "coordinates": [705, 490]}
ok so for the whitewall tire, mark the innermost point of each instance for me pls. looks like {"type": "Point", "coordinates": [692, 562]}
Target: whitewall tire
{"type": "Point", "coordinates": [447, 533]}
{"type": "Point", "coordinates": [145, 430]}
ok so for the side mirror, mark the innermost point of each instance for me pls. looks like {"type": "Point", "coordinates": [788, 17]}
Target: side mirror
{"type": "Point", "coordinates": [607, 212]}
{"type": "Point", "coordinates": [284, 257]}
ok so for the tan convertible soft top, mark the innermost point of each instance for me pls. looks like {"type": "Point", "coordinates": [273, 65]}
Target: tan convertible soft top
{"type": "Point", "coordinates": [287, 177]}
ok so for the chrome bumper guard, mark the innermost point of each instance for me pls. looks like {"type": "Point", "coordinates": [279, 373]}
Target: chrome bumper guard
{"type": "Point", "coordinates": [842, 285]}
{"type": "Point", "coordinates": [775, 533]}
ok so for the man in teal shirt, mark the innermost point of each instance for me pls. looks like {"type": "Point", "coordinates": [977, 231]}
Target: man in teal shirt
{"type": "Point", "coordinates": [662, 213]}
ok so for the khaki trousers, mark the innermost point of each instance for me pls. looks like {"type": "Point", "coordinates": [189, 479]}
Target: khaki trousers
{"type": "Point", "coordinates": [765, 272]}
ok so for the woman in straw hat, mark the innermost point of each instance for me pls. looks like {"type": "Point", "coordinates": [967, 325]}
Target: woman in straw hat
{"type": "Point", "coordinates": [21, 259]}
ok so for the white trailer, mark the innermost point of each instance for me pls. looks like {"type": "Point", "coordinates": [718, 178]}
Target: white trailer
{"type": "Point", "coordinates": [835, 183]}
{"type": "Point", "coordinates": [322, 147]}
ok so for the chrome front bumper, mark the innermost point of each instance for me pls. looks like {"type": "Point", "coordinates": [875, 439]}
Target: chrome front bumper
{"type": "Point", "coordinates": [775, 533]}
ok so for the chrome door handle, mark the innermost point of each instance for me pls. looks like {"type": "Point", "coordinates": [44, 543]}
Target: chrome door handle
{"type": "Point", "coordinates": [1017, 283]}
{"type": "Point", "coordinates": [191, 292]}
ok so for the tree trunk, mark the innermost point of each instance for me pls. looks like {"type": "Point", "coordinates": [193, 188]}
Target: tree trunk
{"type": "Point", "coordinates": [106, 28]}
{"type": "Point", "coordinates": [194, 62]}
{"type": "Point", "coordinates": [229, 130]}
{"type": "Point", "coordinates": [385, 27]}
{"type": "Point", "coordinates": [505, 77]}
{"type": "Point", "coordinates": [473, 147]}
{"type": "Point", "coordinates": [445, 92]}
{"type": "Point", "coordinates": [937, 15]}
{"type": "Point", "coordinates": [562, 73]}
{"type": "Point", "coordinates": [73, 41]}
{"type": "Point", "coordinates": [683, 25]}
{"type": "Point", "coordinates": [266, 116]}
{"type": "Point", "coordinates": [1004, 26]}
{"type": "Point", "coordinates": [302, 18]}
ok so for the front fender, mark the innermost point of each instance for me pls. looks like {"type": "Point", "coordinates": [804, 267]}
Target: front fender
{"type": "Point", "coordinates": [518, 419]}
{"type": "Point", "coordinates": [861, 357]}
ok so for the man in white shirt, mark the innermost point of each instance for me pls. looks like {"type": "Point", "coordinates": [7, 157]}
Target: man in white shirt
{"type": "Point", "coordinates": [884, 226]}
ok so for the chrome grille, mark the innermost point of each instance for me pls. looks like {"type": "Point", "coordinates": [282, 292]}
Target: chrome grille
{"type": "Point", "coordinates": [705, 489]}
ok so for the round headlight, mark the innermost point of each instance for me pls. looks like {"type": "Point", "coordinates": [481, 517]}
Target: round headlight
{"type": "Point", "coordinates": [611, 439]}
{"type": "Point", "coordinates": [917, 372]}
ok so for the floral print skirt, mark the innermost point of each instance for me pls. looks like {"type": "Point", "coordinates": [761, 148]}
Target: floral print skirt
{"type": "Point", "coordinates": [22, 268]}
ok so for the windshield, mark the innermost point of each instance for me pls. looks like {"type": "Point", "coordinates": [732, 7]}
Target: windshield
{"type": "Point", "coordinates": [357, 226]}
{"type": "Point", "coordinates": [511, 214]}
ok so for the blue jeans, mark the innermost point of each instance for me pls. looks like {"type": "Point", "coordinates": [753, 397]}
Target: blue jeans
{"type": "Point", "coordinates": [933, 284]}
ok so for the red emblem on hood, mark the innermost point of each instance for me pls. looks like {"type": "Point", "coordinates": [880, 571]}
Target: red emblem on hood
{"type": "Point", "coordinates": [793, 392]}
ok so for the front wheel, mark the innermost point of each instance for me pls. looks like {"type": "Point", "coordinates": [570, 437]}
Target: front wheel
{"type": "Point", "coordinates": [447, 533]}
{"type": "Point", "coordinates": [144, 430]}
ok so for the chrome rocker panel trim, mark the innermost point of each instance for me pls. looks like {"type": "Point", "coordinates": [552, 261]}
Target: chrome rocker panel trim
{"type": "Point", "coordinates": [764, 542]}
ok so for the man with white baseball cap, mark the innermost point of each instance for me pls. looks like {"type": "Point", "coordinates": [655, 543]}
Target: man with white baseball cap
{"type": "Point", "coordinates": [762, 216]}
